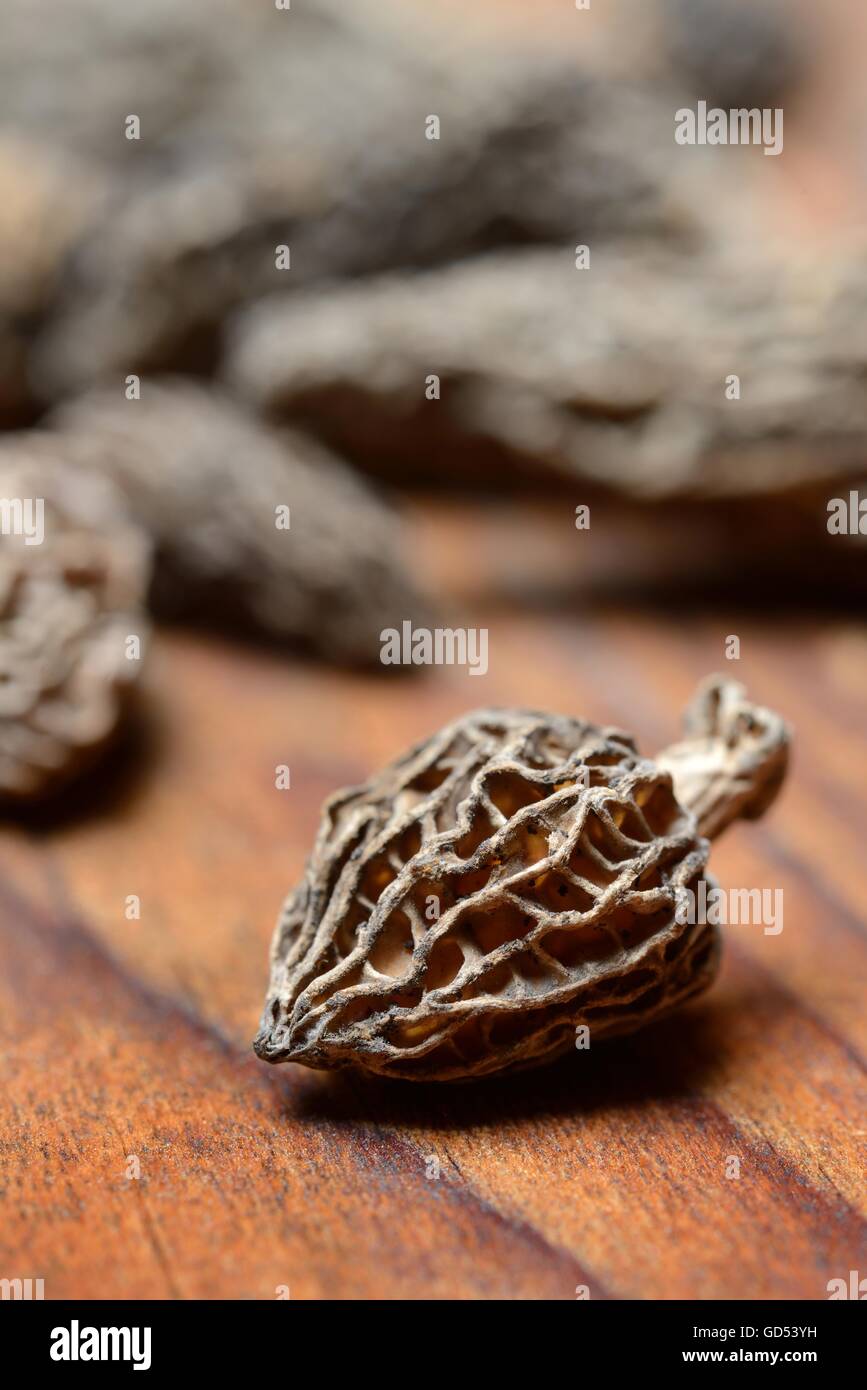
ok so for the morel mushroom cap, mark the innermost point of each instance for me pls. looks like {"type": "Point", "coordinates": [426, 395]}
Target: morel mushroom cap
{"type": "Point", "coordinates": [506, 880]}
{"type": "Point", "coordinates": [207, 482]}
{"type": "Point", "coordinates": [552, 374]}
{"type": "Point", "coordinates": [72, 583]}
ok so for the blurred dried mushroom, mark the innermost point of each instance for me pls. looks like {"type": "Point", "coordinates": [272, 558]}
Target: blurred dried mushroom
{"type": "Point", "coordinates": [71, 592]}
{"type": "Point", "coordinates": [531, 149]}
{"type": "Point", "coordinates": [264, 531]}
{"type": "Point", "coordinates": [45, 203]}
{"type": "Point", "coordinates": [616, 374]}
{"type": "Point", "coordinates": [506, 880]}
{"type": "Point", "coordinates": [737, 52]}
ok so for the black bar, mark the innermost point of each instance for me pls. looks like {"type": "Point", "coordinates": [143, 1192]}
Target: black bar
{"type": "Point", "coordinates": [202, 1337]}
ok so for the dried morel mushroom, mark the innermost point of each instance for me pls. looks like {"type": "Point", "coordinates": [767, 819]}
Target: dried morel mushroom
{"type": "Point", "coordinates": [73, 576]}
{"type": "Point", "coordinates": [616, 375]}
{"type": "Point", "coordinates": [45, 203]}
{"type": "Point", "coordinates": [506, 880]}
{"type": "Point", "coordinates": [531, 150]}
{"type": "Point", "coordinates": [736, 52]}
{"type": "Point", "coordinates": [264, 531]}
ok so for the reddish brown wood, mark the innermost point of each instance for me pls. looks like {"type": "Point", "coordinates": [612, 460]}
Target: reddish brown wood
{"type": "Point", "coordinates": [132, 1038]}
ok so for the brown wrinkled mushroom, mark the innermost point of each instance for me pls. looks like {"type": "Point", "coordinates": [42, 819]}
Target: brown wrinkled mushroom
{"type": "Point", "coordinates": [46, 201]}
{"type": "Point", "coordinates": [70, 598]}
{"type": "Point", "coordinates": [533, 149]}
{"type": "Point", "coordinates": [506, 880]}
{"type": "Point", "coordinates": [736, 52]}
{"type": "Point", "coordinates": [615, 376]}
{"type": "Point", "coordinates": [256, 530]}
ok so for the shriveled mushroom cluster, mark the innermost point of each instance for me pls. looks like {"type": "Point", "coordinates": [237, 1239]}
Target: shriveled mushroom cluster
{"type": "Point", "coordinates": [427, 185]}
{"type": "Point", "coordinates": [514, 876]}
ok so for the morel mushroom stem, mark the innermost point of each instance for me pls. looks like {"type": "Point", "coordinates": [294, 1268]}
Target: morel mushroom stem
{"type": "Point", "coordinates": [733, 760]}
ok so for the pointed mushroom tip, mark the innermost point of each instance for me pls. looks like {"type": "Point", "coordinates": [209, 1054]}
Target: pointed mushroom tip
{"type": "Point", "coordinates": [260, 1046]}
{"type": "Point", "coordinates": [271, 1046]}
{"type": "Point", "coordinates": [278, 1044]}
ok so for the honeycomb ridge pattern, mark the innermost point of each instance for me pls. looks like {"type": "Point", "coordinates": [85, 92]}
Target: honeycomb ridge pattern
{"type": "Point", "coordinates": [464, 910]}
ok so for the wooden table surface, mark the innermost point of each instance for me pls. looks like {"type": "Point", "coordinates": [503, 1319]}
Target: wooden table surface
{"type": "Point", "coordinates": [127, 1040]}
